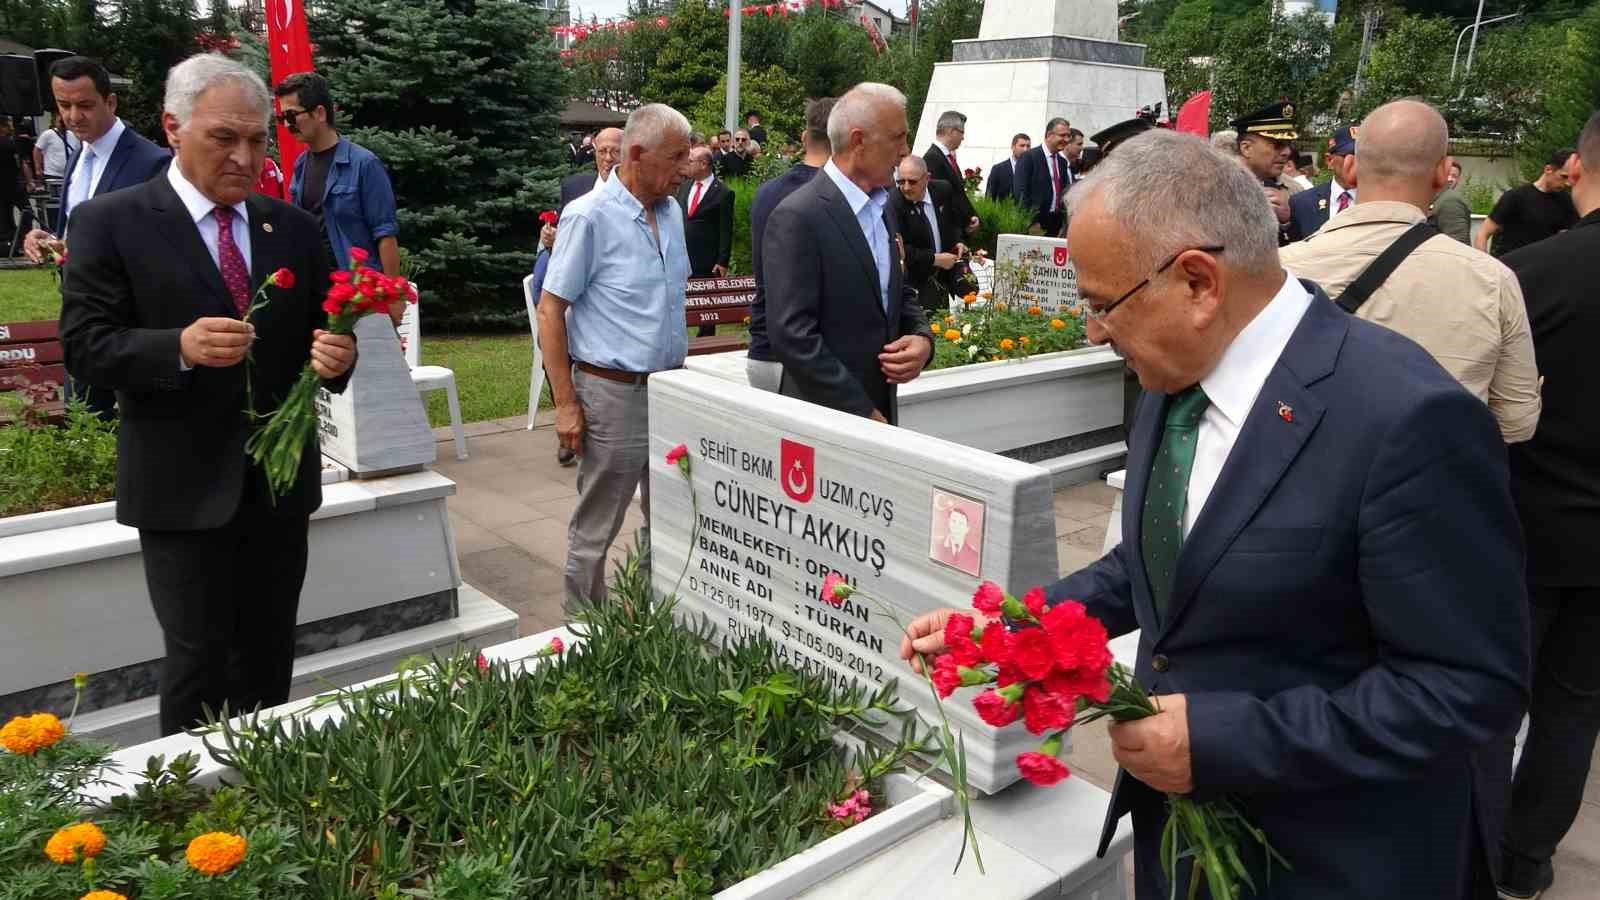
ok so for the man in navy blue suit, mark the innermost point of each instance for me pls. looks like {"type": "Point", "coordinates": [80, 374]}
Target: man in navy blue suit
{"type": "Point", "coordinates": [111, 156]}
{"type": "Point", "coordinates": [1319, 550]}
{"type": "Point", "coordinates": [1310, 210]}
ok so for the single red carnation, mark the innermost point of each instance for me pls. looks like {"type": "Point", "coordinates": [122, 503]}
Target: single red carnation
{"type": "Point", "coordinates": [359, 254]}
{"type": "Point", "coordinates": [1034, 601]}
{"type": "Point", "coordinates": [677, 453]}
{"type": "Point", "coordinates": [835, 589]}
{"type": "Point", "coordinates": [483, 663]}
{"type": "Point", "coordinates": [1043, 710]}
{"type": "Point", "coordinates": [1064, 616]}
{"type": "Point", "coordinates": [283, 278]}
{"type": "Point", "coordinates": [1092, 685]}
{"type": "Point", "coordinates": [342, 276]}
{"type": "Point", "coordinates": [1009, 674]}
{"type": "Point", "coordinates": [1040, 768]}
{"type": "Point", "coordinates": [995, 709]}
{"type": "Point", "coordinates": [332, 306]}
{"type": "Point", "coordinates": [946, 674]}
{"type": "Point", "coordinates": [548, 217]}
{"type": "Point", "coordinates": [341, 293]}
{"type": "Point", "coordinates": [988, 599]}
{"type": "Point", "coordinates": [996, 642]}
{"type": "Point", "coordinates": [1030, 650]}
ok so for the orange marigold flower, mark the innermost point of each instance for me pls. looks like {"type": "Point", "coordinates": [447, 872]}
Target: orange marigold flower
{"type": "Point", "coordinates": [988, 295]}
{"type": "Point", "coordinates": [950, 319]}
{"type": "Point", "coordinates": [64, 845]}
{"type": "Point", "coordinates": [970, 299]}
{"type": "Point", "coordinates": [216, 852]}
{"type": "Point", "coordinates": [103, 895]}
{"type": "Point", "coordinates": [1000, 306]}
{"type": "Point", "coordinates": [1023, 340]}
{"type": "Point", "coordinates": [1035, 310]}
{"type": "Point", "coordinates": [1057, 324]}
{"type": "Point", "coordinates": [952, 335]}
{"type": "Point", "coordinates": [1007, 344]}
{"type": "Point", "coordinates": [30, 734]}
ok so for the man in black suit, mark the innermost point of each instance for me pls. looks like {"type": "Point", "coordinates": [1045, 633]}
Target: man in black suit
{"type": "Point", "coordinates": [110, 156]}
{"type": "Point", "coordinates": [707, 204]}
{"type": "Point", "coordinates": [942, 166]}
{"type": "Point", "coordinates": [1555, 481]}
{"type": "Point", "coordinates": [843, 322]}
{"type": "Point", "coordinates": [607, 153]}
{"type": "Point", "coordinates": [928, 229]}
{"type": "Point", "coordinates": [1043, 175]}
{"type": "Point", "coordinates": [1000, 183]}
{"type": "Point", "coordinates": [1310, 210]}
{"type": "Point", "coordinates": [158, 278]}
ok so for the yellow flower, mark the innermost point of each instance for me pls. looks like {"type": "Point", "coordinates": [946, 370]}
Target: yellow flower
{"type": "Point", "coordinates": [950, 320]}
{"type": "Point", "coordinates": [988, 295]}
{"type": "Point", "coordinates": [1035, 310]}
{"type": "Point", "coordinates": [1023, 340]}
{"type": "Point", "coordinates": [30, 734]}
{"type": "Point", "coordinates": [1000, 306]}
{"type": "Point", "coordinates": [970, 299]}
{"type": "Point", "coordinates": [64, 845]}
{"type": "Point", "coordinates": [1057, 324]}
{"type": "Point", "coordinates": [216, 852]}
{"type": "Point", "coordinates": [952, 335]}
{"type": "Point", "coordinates": [103, 895]}
{"type": "Point", "coordinates": [1007, 344]}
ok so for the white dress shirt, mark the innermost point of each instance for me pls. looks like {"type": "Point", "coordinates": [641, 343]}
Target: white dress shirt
{"type": "Point", "coordinates": [868, 210]}
{"type": "Point", "coordinates": [83, 189]}
{"type": "Point", "coordinates": [1233, 386]}
{"type": "Point", "coordinates": [200, 210]}
{"type": "Point", "coordinates": [705, 188]}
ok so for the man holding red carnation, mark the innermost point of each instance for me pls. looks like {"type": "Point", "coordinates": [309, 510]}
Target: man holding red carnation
{"type": "Point", "coordinates": [153, 307]}
{"type": "Point", "coordinates": [1320, 555]}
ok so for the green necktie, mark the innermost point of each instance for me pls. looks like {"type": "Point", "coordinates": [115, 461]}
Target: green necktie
{"type": "Point", "coordinates": [1162, 521]}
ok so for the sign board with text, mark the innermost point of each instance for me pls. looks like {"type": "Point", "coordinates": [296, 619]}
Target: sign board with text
{"type": "Point", "coordinates": [1052, 282]}
{"type": "Point", "coordinates": [787, 492]}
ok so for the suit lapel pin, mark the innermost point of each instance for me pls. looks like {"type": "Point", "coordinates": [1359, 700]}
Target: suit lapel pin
{"type": "Point", "coordinates": [1322, 204]}
{"type": "Point", "coordinates": [1285, 411]}
{"type": "Point", "coordinates": [267, 227]}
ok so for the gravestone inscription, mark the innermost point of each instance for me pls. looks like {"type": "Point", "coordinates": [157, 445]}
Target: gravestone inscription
{"type": "Point", "coordinates": [1051, 282]}
{"type": "Point", "coordinates": [785, 492]}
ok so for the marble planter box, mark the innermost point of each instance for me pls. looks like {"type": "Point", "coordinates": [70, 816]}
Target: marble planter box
{"type": "Point", "coordinates": [1060, 411]}
{"type": "Point", "coordinates": [73, 598]}
{"type": "Point", "coordinates": [915, 803]}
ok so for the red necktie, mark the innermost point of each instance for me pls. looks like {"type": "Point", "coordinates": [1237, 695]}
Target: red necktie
{"type": "Point", "coordinates": [694, 201]}
{"type": "Point", "coordinates": [1055, 179]}
{"type": "Point", "coordinates": [234, 272]}
{"type": "Point", "coordinates": [1344, 201]}
{"type": "Point", "coordinates": [953, 166]}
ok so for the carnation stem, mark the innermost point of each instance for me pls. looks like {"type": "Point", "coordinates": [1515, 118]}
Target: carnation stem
{"type": "Point", "coordinates": [958, 770]}
{"type": "Point", "coordinates": [694, 529]}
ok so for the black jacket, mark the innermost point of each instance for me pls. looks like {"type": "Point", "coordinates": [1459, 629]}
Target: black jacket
{"type": "Point", "coordinates": [825, 316]}
{"type": "Point", "coordinates": [709, 232]}
{"type": "Point", "coordinates": [999, 184]}
{"type": "Point", "coordinates": [1032, 183]}
{"type": "Point", "coordinates": [1555, 477]}
{"type": "Point", "coordinates": [576, 185]}
{"type": "Point", "coordinates": [939, 170]}
{"type": "Point", "coordinates": [139, 274]}
{"type": "Point", "coordinates": [918, 236]}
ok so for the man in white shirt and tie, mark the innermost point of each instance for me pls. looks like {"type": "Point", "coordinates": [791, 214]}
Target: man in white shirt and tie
{"type": "Point", "coordinates": [929, 229]}
{"type": "Point", "coordinates": [1043, 174]}
{"type": "Point", "coordinates": [1310, 210]}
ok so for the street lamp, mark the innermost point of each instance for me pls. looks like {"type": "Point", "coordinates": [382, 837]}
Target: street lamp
{"type": "Point", "coordinates": [1474, 46]}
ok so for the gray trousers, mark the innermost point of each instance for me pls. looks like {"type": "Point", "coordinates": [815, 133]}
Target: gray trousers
{"type": "Point", "coordinates": [615, 461]}
{"type": "Point", "coordinates": [763, 374]}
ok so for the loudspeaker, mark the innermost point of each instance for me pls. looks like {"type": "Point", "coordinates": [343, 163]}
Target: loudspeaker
{"type": "Point", "coordinates": [42, 61]}
{"type": "Point", "coordinates": [19, 86]}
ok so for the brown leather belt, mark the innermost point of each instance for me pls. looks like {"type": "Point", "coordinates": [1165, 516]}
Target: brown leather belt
{"type": "Point", "coordinates": [613, 374]}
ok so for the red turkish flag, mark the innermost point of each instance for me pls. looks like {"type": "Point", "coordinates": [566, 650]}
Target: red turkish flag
{"type": "Point", "coordinates": [798, 469]}
{"type": "Point", "coordinates": [289, 48]}
{"type": "Point", "coordinates": [1195, 116]}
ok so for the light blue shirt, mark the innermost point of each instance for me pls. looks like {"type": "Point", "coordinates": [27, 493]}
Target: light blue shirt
{"type": "Point", "coordinates": [625, 287]}
{"type": "Point", "coordinates": [933, 220]}
{"type": "Point", "coordinates": [93, 159]}
{"type": "Point", "coordinates": [868, 210]}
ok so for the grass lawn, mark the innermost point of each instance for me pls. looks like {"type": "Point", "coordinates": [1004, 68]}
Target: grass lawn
{"type": "Point", "coordinates": [491, 369]}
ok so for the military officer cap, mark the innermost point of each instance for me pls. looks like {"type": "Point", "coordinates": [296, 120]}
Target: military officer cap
{"type": "Point", "coordinates": [1120, 132]}
{"type": "Point", "coordinates": [1274, 122]}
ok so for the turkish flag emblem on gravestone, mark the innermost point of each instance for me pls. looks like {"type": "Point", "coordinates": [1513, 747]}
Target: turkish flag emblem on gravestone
{"type": "Point", "coordinates": [1060, 256]}
{"type": "Point", "coordinates": [799, 469]}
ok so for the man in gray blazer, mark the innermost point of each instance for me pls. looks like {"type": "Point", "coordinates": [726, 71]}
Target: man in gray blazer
{"type": "Point", "coordinates": [842, 319]}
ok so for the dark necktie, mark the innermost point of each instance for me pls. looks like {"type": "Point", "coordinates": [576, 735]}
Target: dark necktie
{"type": "Point", "coordinates": [234, 272]}
{"type": "Point", "coordinates": [953, 167]}
{"type": "Point", "coordinates": [1344, 201]}
{"type": "Point", "coordinates": [1162, 519]}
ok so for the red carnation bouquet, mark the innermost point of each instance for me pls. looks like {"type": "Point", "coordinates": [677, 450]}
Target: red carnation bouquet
{"type": "Point", "coordinates": [355, 292]}
{"type": "Point", "coordinates": [971, 178]}
{"type": "Point", "coordinates": [1051, 666]}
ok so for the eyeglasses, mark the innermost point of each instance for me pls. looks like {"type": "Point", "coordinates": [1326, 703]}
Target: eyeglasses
{"type": "Point", "coordinates": [907, 180]}
{"type": "Point", "coordinates": [1099, 315]}
{"type": "Point", "coordinates": [289, 116]}
{"type": "Point", "coordinates": [740, 140]}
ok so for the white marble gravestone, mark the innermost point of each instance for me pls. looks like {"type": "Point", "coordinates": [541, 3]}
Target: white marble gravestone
{"type": "Point", "coordinates": [1034, 60]}
{"type": "Point", "coordinates": [788, 491]}
{"type": "Point", "coordinates": [1052, 282]}
{"type": "Point", "coordinates": [378, 425]}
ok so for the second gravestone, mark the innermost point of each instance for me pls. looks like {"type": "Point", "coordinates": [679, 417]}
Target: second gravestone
{"type": "Point", "coordinates": [787, 492]}
{"type": "Point", "coordinates": [1049, 282]}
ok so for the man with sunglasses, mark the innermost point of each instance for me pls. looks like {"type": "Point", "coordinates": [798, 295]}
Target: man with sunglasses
{"type": "Point", "coordinates": [340, 182]}
{"type": "Point", "coordinates": [1319, 552]}
{"type": "Point", "coordinates": [736, 161]}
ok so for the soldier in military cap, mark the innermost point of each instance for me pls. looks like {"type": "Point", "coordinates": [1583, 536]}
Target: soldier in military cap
{"type": "Point", "coordinates": [1116, 134]}
{"type": "Point", "coordinates": [1266, 139]}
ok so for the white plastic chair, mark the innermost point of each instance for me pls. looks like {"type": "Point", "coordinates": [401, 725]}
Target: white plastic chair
{"type": "Point", "coordinates": [430, 378]}
{"type": "Point", "coordinates": [536, 379]}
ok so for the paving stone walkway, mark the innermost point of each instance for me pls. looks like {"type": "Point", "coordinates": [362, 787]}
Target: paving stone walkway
{"type": "Point", "coordinates": [510, 517]}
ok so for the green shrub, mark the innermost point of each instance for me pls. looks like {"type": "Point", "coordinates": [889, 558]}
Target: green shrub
{"type": "Point", "coordinates": [744, 195]}
{"type": "Point", "coordinates": [56, 466]}
{"type": "Point", "coordinates": [1480, 195]}
{"type": "Point", "coordinates": [997, 217]}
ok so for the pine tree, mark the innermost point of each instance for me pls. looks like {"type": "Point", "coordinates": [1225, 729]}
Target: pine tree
{"type": "Point", "coordinates": [152, 36]}
{"type": "Point", "coordinates": [692, 57]}
{"type": "Point", "coordinates": [461, 101]}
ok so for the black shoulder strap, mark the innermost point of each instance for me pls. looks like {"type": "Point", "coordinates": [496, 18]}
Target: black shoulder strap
{"type": "Point", "coordinates": [1374, 275]}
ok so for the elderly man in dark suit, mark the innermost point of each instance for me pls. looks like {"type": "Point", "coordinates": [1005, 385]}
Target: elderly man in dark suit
{"type": "Point", "coordinates": [1001, 174]}
{"type": "Point", "coordinates": [1555, 479]}
{"type": "Point", "coordinates": [607, 153]}
{"type": "Point", "coordinates": [928, 229]}
{"type": "Point", "coordinates": [1043, 176]}
{"type": "Point", "coordinates": [842, 319]}
{"type": "Point", "coordinates": [154, 291]}
{"type": "Point", "coordinates": [1319, 550]}
{"type": "Point", "coordinates": [950, 131]}
{"type": "Point", "coordinates": [707, 203]}
{"type": "Point", "coordinates": [1310, 210]}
